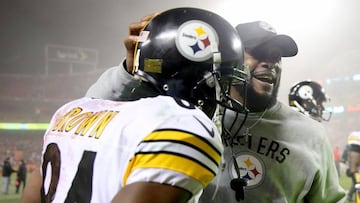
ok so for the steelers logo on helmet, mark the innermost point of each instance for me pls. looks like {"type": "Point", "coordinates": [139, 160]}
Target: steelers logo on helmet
{"type": "Point", "coordinates": [305, 92]}
{"type": "Point", "coordinates": [197, 40]}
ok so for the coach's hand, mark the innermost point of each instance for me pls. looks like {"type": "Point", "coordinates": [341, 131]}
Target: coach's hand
{"type": "Point", "coordinates": [130, 41]}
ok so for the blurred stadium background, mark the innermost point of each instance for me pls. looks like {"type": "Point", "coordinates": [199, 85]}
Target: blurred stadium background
{"type": "Point", "coordinates": [52, 51]}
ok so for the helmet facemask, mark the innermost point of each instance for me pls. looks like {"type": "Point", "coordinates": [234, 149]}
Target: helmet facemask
{"type": "Point", "coordinates": [210, 92]}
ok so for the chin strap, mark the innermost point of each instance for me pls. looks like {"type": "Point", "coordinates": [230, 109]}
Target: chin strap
{"type": "Point", "coordinates": [238, 184]}
{"type": "Point", "coordinates": [217, 118]}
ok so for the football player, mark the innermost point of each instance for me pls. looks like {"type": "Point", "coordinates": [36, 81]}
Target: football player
{"type": "Point", "coordinates": [163, 146]}
{"type": "Point", "coordinates": [353, 157]}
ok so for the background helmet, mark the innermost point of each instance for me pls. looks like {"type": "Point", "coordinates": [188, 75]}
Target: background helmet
{"type": "Point", "coordinates": [192, 54]}
{"type": "Point", "coordinates": [309, 97]}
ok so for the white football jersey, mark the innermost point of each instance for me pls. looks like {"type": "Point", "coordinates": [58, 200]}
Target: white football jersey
{"type": "Point", "coordinates": [95, 147]}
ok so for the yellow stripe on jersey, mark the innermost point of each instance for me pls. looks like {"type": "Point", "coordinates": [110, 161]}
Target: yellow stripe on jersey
{"type": "Point", "coordinates": [179, 162]}
{"type": "Point", "coordinates": [185, 137]}
{"type": "Point", "coordinates": [171, 162]}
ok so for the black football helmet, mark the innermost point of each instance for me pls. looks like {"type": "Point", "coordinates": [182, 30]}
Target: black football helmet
{"type": "Point", "coordinates": [309, 97]}
{"type": "Point", "coordinates": [192, 54]}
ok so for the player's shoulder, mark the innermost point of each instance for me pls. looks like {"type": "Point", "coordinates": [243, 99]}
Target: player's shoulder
{"type": "Point", "coordinates": [170, 104]}
{"type": "Point", "coordinates": [177, 114]}
{"type": "Point", "coordinates": [75, 102]}
{"type": "Point", "coordinates": [87, 104]}
{"type": "Point", "coordinates": [151, 104]}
